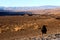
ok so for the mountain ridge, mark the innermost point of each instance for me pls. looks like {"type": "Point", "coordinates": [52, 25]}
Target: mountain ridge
{"type": "Point", "coordinates": [29, 8]}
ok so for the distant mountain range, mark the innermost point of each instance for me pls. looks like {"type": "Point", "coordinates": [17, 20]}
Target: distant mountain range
{"type": "Point", "coordinates": [27, 8]}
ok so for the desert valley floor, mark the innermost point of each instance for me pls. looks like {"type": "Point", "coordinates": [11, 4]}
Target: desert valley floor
{"type": "Point", "coordinates": [27, 26]}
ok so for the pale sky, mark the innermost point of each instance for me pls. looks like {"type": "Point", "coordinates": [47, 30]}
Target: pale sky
{"type": "Point", "coordinates": [28, 3]}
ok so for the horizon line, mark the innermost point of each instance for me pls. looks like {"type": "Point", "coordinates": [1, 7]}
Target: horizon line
{"type": "Point", "coordinates": [29, 6]}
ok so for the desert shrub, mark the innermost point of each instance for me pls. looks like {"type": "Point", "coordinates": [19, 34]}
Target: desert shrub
{"type": "Point", "coordinates": [22, 29]}
{"type": "Point", "coordinates": [58, 18]}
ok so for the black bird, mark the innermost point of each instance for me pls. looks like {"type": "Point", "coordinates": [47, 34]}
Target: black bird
{"type": "Point", "coordinates": [44, 29]}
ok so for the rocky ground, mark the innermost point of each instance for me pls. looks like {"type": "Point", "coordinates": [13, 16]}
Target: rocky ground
{"type": "Point", "coordinates": [49, 37]}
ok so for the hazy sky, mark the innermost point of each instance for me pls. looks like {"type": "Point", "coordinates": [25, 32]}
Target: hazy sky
{"type": "Point", "coordinates": [23, 3]}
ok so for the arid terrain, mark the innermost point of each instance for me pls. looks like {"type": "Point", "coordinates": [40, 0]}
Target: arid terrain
{"type": "Point", "coordinates": [27, 26]}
